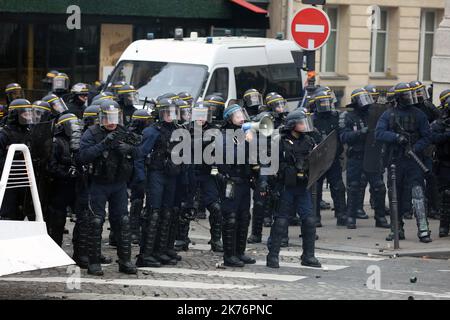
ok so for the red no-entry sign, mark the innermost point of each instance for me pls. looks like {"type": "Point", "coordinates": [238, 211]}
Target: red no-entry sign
{"type": "Point", "coordinates": [310, 28]}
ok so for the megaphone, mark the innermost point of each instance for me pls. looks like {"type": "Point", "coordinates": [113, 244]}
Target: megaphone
{"type": "Point", "coordinates": [265, 126]}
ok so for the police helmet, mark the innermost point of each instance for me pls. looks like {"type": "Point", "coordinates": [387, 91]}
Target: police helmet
{"type": "Point", "coordinates": [403, 94]}
{"type": "Point", "coordinates": [168, 110]}
{"type": "Point", "coordinates": [42, 111]}
{"type": "Point", "coordinates": [14, 91]}
{"type": "Point", "coordinates": [299, 116]}
{"type": "Point", "coordinates": [110, 113]}
{"type": "Point", "coordinates": [201, 112]}
{"type": "Point", "coordinates": [235, 114]}
{"type": "Point", "coordinates": [186, 96]}
{"type": "Point", "coordinates": [60, 83]}
{"type": "Point", "coordinates": [67, 123]}
{"type": "Point", "coordinates": [269, 96]}
{"type": "Point", "coordinates": [361, 99]}
{"type": "Point", "coordinates": [141, 118]}
{"type": "Point", "coordinates": [372, 90]}
{"type": "Point", "coordinates": [90, 114]}
{"type": "Point", "coordinates": [216, 105]}
{"type": "Point", "coordinates": [390, 95]}
{"type": "Point", "coordinates": [323, 102]}
{"type": "Point", "coordinates": [420, 91]}
{"type": "Point", "coordinates": [128, 96]}
{"type": "Point", "coordinates": [56, 103]}
{"type": "Point", "coordinates": [20, 112]}
{"type": "Point", "coordinates": [185, 110]}
{"type": "Point", "coordinates": [443, 96]}
{"type": "Point", "coordinates": [252, 98]}
{"type": "Point", "coordinates": [276, 103]}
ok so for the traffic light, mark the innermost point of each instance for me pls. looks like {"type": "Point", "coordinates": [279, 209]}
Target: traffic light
{"type": "Point", "coordinates": [314, 2]}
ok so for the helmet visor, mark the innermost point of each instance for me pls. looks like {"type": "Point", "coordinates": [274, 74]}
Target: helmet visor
{"type": "Point", "coordinates": [58, 105]}
{"type": "Point", "coordinates": [169, 114]}
{"type": "Point", "coordinates": [239, 116]}
{"type": "Point", "coordinates": [16, 93]}
{"type": "Point", "coordinates": [26, 115]}
{"type": "Point", "coordinates": [406, 97]}
{"type": "Point", "coordinates": [185, 114]}
{"type": "Point", "coordinates": [109, 117]}
{"type": "Point", "coordinates": [201, 114]}
{"type": "Point", "coordinates": [60, 83]}
{"type": "Point", "coordinates": [363, 99]}
{"type": "Point", "coordinates": [421, 93]}
{"type": "Point", "coordinates": [324, 104]}
{"type": "Point", "coordinates": [304, 125]}
{"type": "Point", "coordinates": [253, 99]}
{"type": "Point", "coordinates": [278, 105]}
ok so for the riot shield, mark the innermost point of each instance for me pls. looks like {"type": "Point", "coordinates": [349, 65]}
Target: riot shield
{"type": "Point", "coordinates": [41, 148]}
{"type": "Point", "coordinates": [321, 157]}
{"type": "Point", "coordinates": [373, 149]}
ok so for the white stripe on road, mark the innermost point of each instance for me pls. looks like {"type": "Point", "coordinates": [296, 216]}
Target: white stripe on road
{"type": "Point", "coordinates": [136, 282]}
{"type": "Point", "coordinates": [332, 256]}
{"type": "Point", "coordinates": [315, 28]}
{"type": "Point", "coordinates": [227, 274]}
{"type": "Point", "coordinates": [293, 253]}
{"type": "Point", "coordinates": [328, 267]}
{"type": "Point", "coordinates": [417, 293]}
{"type": "Point", "coordinates": [444, 270]}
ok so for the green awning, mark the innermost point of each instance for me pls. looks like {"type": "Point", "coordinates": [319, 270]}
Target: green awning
{"type": "Point", "coordinates": [205, 9]}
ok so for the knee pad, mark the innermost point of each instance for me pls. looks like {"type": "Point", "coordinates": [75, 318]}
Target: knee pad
{"type": "Point", "coordinates": [230, 218]}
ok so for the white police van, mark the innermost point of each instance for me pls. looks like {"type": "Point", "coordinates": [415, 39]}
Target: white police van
{"type": "Point", "coordinates": [203, 66]}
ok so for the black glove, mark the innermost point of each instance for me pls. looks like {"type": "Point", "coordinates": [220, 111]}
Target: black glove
{"type": "Point", "coordinates": [110, 138]}
{"type": "Point", "coordinates": [402, 140]}
{"type": "Point", "coordinates": [364, 130]}
{"type": "Point", "coordinates": [125, 149]}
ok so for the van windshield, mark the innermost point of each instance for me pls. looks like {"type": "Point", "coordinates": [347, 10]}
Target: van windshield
{"type": "Point", "coordinates": [153, 79]}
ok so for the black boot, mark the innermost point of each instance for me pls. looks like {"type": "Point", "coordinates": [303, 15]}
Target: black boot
{"type": "Point", "coordinates": [124, 246]}
{"type": "Point", "coordinates": [401, 231]}
{"type": "Point", "coordinates": [215, 222]}
{"type": "Point", "coordinates": [162, 243]}
{"type": "Point", "coordinates": [418, 206]}
{"type": "Point", "coordinates": [340, 207]}
{"type": "Point", "coordinates": [444, 216]}
{"type": "Point", "coordinates": [229, 230]}
{"type": "Point", "coordinates": [182, 240]}
{"type": "Point", "coordinates": [278, 230]}
{"type": "Point", "coordinates": [135, 219]}
{"type": "Point", "coordinates": [80, 240]}
{"type": "Point", "coordinates": [57, 221]}
{"type": "Point", "coordinates": [242, 233]}
{"type": "Point", "coordinates": [146, 256]}
{"type": "Point", "coordinates": [352, 204]}
{"type": "Point", "coordinates": [257, 223]}
{"type": "Point", "coordinates": [308, 243]}
{"type": "Point", "coordinates": [378, 199]}
{"type": "Point", "coordinates": [175, 214]}
{"type": "Point", "coordinates": [443, 226]}
{"type": "Point", "coordinates": [95, 246]}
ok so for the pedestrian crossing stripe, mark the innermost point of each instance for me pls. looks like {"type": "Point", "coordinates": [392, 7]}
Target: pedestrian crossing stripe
{"type": "Point", "coordinates": [135, 282]}
{"type": "Point", "coordinates": [325, 267]}
{"type": "Point", "coordinates": [227, 274]}
{"type": "Point", "coordinates": [297, 253]}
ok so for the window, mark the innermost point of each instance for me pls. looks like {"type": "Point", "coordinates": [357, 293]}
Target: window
{"type": "Point", "coordinates": [284, 79]}
{"type": "Point", "coordinates": [219, 83]}
{"type": "Point", "coordinates": [329, 51]}
{"type": "Point", "coordinates": [427, 28]}
{"type": "Point", "coordinates": [153, 79]}
{"type": "Point", "coordinates": [378, 45]}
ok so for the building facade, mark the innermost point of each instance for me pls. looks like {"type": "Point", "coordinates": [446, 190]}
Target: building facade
{"type": "Point", "coordinates": [35, 38]}
{"type": "Point", "coordinates": [379, 42]}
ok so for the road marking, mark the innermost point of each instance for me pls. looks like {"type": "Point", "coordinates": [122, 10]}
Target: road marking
{"type": "Point", "coordinates": [417, 293]}
{"type": "Point", "coordinates": [314, 28]}
{"type": "Point", "coordinates": [226, 274]}
{"type": "Point", "coordinates": [326, 267]}
{"type": "Point", "coordinates": [138, 282]}
{"type": "Point", "coordinates": [332, 256]}
{"type": "Point", "coordinates": [444, 270]}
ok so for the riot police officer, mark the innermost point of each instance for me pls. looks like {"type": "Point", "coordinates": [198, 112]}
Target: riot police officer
{"type": "Point", "coordinates": [406, 132]}
{"type": "Point", "coordinates": [295, 147]}
{"type": "Point", "coordinates": [60, 85]}
{"type": "Point", "coordinates": [64, 169]}
{"type": "Point", "coordinates": [252, 102]}
{"type": "Point", "coordinates": [128, 97]}
{"type": "Point", "coordinates": [57, 105]}
{"type": "Point", "coordinates": [236, 196]}
{"type": "Point", "coordinates": [16, 130]}
{"type": "Point", "coordinates": [13, 91]}
{"type": "Point", "coordinates": [423, 103]}
{"type": "Point", "coordinates": [186, 97]}
{"type": "Point", "coordinates": [111, 160]}
{"type": "Point", "coordinates": [140, 120]}
{"type": "Point", "coordinates": [354, 130]}
{"type": "Point", "coordinates": [326, 119]}
{"type": "Point", "coordinates": [441, 138]}
{"type": "Point", "coordinates": [78, 100]}
{"type": "Point", "coordinates": [155, 166]}
{"type": "Point", "coordinates": [204, 174]}
{"type": "Point", "coordinates": [48, 80]}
